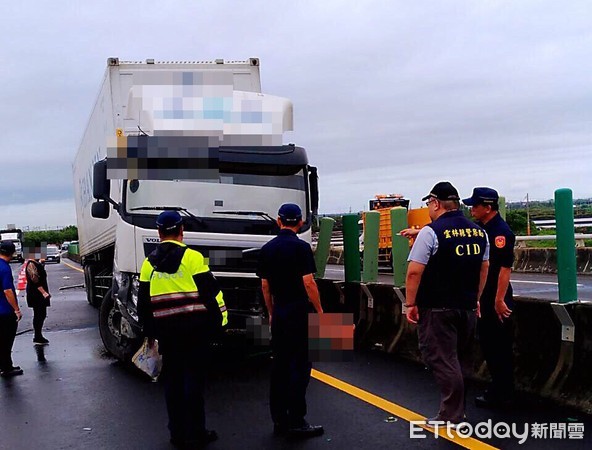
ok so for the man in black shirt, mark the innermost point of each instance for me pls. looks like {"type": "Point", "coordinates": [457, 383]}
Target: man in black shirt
{"type": "Point", "coordinates": [495, 326]}
{"type": "Point", "coordinates": [286, 269]}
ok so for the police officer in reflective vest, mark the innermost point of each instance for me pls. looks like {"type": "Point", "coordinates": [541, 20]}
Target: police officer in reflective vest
{"type": "Point", "coordinates": [181, 305]}
{"type": "Point", "coordinates": [495, 327]}
{"type": "Point", "coordinates": [447, 271]}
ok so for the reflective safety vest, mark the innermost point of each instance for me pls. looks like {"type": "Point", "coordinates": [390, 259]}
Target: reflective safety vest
{"type": "Point", "coordinates": [173, 294]}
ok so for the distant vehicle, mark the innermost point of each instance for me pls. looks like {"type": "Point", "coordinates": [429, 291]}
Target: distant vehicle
{"type": "Point", "coordinates": [383, 203]}
{"type": "Point", "coordinates": [16, 237]}
{"type": "Point", "coordinates": [65, 245]}
{"type": "Point", "coordinates": [53, 254]}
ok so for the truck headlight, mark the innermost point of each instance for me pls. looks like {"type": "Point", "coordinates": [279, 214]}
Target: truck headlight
{"type": "Point", "coordinates": [135, 287]}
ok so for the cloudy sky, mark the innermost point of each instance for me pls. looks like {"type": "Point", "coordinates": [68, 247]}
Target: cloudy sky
{"type": "Point", "coordinates": [389, 96]}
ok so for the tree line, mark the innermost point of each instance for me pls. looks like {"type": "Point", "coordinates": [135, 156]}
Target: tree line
{"type": "Point", "coordinates": [69, 233]}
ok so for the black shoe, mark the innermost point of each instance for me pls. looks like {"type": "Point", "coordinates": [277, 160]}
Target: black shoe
{"type": "Point", "coordinates": [40, 341]}
{"type": "Point", "coordinates": [204, 439]}
{"type": "Point", "coordinates": [484, 401]}
{"type": "Point", "coordinates": [13, 371]}
{"type": "Point", "coordinates": [305, 431]}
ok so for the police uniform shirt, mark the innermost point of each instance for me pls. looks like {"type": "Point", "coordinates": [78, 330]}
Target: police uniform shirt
{"type": "Point", "coordinates": [452, 249]}
{"type": "Point", "coordinates": [6, 282]}
{"type": "Point", "coordinates": [283, 262]}
{"type": "Point", "coordinates": [502, 241]}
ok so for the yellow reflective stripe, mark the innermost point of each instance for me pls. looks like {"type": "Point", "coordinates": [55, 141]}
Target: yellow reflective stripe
{"type": "Point", "coordinates": [222, 306]}
{"type": "Point", "coordinates": [179, 310]}
{"type": "Point", "coordinates": [174, 296]}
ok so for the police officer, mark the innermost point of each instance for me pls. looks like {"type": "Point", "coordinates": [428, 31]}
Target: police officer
{"type": "Point", "coordinates": [495, 328]}
{"type": "Point", "coordinates": [181, 305]}
{"type": "Point", "coordinates": [286, 269]}
{"type": "Point", "coordinates": [446, 274]}
{"type": "Point", "coordinates": [10, 312]}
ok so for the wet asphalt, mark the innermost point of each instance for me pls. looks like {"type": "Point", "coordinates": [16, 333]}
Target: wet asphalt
{"type": "Point", "coordinates": [75, 396]}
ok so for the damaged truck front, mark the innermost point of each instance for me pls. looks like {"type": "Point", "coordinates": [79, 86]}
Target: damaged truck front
{"type": "Point", "coordinates": [199, 138]}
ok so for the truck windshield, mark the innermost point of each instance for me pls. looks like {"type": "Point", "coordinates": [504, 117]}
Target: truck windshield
{"type": "Point", "coordinates": [235, 203]}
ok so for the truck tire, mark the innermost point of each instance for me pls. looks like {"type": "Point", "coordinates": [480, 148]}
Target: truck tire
{"type": "Point", "coordinates": [120, 346]}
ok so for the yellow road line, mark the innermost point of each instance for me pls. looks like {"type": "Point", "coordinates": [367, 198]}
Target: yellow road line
{"type": "Point", "coordinates": [397, 410]}
{"type": "Point", "coordinates": [73, 267]}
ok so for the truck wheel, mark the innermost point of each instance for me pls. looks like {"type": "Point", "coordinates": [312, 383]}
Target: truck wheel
{"type": "Point", "coordinates": [110, 321]}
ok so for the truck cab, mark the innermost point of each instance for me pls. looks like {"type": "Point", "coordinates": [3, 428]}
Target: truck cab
{"type": "Point", "coordinates": [14, 235]}
{"type": "Point", "coordinates": [199, 138]}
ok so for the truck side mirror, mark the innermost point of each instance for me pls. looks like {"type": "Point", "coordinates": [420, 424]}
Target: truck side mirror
{"type": "Point", "coordinates": [100, 210]}
{"type": "Point", "coordinates": [313, 182]}
{"type": "Point", "coordinates": [101, 185]}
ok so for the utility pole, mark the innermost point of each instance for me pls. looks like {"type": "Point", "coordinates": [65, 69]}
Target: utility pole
{"type": "Point", "coordinates": [527, 216]}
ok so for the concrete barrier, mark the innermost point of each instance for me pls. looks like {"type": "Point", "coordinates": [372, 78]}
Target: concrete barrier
{"type": "Point", "coordinates": [74, 257]}
{"type": "Point", "coordinates": [537, 347]}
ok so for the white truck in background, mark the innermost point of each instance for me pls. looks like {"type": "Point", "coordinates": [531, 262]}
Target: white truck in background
{"type": "Point", "coordinates": [198, 137]}
{"type": "Point", "coordinates": [14, 235]}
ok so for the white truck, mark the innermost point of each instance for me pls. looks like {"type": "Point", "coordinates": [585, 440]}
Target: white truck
{"type": "Point", "coordinates": [198, 137]}
{"type": "Point", "coordinates": [16, 237]}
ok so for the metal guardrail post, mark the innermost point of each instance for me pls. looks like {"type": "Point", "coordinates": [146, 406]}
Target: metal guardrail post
{"type": "Point", "coordinates": [371, 230]}
{"type": "Point", "coordinates": [351, 247]}
{"type": "Point", "coordinates": [566, 351]}
{"type": "Point", "coordinates": [366, 311]}
{"type": "Point", "coordinates": [340, 286]}
{"type": "Point", "coordinates": [566, 253]}
{"type": "Point", "coordinates": [568, 291]}
{"type": "Point", "coordinates": [323, 245]}
{"type": "Point", "coordinates": [400, 245]}
{"type": "Point", "coordinates": [403, 325]}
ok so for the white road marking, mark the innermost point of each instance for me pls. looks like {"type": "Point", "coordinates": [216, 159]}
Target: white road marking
{"type": "Point", "coordinates": [541, 282]}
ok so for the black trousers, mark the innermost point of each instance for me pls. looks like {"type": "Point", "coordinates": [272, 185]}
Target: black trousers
{"type": "Point", "coordinates": [497, 340]}
{"type": "Point", "coordinates": [445, 340]}
{"type": "Point", "coordinates": [184, 372]}
{"type": "Point", "coordinates": [8, 326]}
{"type": "Point", "coordinates": [39, 316]}
{"type": "Point", "coordinates": [290, 372]}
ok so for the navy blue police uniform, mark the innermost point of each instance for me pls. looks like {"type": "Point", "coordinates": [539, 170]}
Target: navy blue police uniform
{"type": "Point", "coordinates": [495, 336]}
{"type": "Point", "coordinates": [283, 262]}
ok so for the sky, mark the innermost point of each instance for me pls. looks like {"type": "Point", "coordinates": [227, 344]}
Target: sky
{"type": "Point", "coordinates": [389, 96]}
